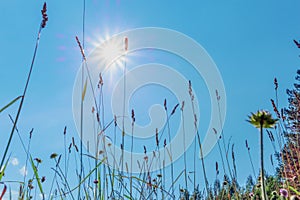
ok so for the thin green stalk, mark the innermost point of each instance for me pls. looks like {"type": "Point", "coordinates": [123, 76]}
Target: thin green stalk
{"type": "Point", "coordinates": [81, 130]}
{"type": "Point", "coordinates": [250, 158]}
{"type": "Point", "coordinates": [263, 189]}
{"type": "Point", "coordinates": [222, 135]}
{"type": "Point", "coordinates": [65, 153]}
{"type": "Point", "coordinates": [198, 137]}
{"type": "Point", "coordinates": [171, 157]}
{"type": "Point", "coordinates": [123, 122]}
{"type": "Point", "coordinates": [10, 103]}
{"type": "Point", "coordinates": [25, 89]}
{"type": "Point", "coordinates": [159, 163]}
{"type": "Point", "coordinates": [81, 102]}
{"type": "Point", "coordinates": [131, 150]}
{"type": "Point", "coordinates": [184, 148]}
{"type": "Point", "coordinates": [164, 170]}
{"type": "Point", "coordinates": [195, 159]}
{"type": "Point", "coordinates": [221, 155]}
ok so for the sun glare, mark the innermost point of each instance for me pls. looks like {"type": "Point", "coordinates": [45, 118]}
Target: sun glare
{"type": "Point", "coordinates": [111, 53]}
{"type": "Point", "coordinates": [110, 56]}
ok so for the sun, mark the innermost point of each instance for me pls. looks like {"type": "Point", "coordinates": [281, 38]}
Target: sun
{"type": "Point", "coordinates": [111, 53]}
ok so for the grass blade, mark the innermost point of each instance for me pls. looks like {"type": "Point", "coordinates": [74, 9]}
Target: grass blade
{"type": "Point", "coordinates": [10, 103]}
{"type": "Point", "coordinates": [294, 190]}
{"type": "Point", "coordinates": [35, 171]}
{"type": "Point", "coordinates": [3, 170]}
{"type": "Point", "coordinates": [84, 90]}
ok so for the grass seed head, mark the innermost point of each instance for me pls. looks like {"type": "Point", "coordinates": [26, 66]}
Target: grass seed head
{"type": "Point", "coordinates": [44, 15]}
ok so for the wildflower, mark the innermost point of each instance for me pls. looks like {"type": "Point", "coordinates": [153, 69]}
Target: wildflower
{"type": "Point", "coordinates": [251, 194]}
{"type": "Point", "coordinates": [38, 160]}
{"type": "Point", "coordinates": [54, 155]}
{"type": "Point", "coordinates": [262, 118]}
{"type": "Point", "coordinates": [283, 192]}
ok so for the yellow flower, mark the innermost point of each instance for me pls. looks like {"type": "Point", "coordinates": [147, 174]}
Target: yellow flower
{"type": "Point", "coordinates": [262, 119]}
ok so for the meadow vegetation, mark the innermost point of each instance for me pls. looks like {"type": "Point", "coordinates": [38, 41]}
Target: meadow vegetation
{"type": "Point", "coordinates": [98, 179]}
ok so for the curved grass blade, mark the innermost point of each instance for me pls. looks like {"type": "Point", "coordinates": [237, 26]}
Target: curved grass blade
{"type": "Point", "coordinates": [37, 177]}
{"type": "Point", "coordinates": [86, 177]}
{"type": "Point", "coordinates": [10, 103]}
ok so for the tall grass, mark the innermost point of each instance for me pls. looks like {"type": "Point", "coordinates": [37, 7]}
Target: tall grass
{"type": "Point", "coordinates": [97, 178]}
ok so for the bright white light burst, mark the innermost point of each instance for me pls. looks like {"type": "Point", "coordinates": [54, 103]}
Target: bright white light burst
{"type": "Point", "coordinates": [111, 54]}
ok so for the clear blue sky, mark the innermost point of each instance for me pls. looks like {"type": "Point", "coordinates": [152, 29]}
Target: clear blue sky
{"type": "Point", "coordinates": [250, 42]}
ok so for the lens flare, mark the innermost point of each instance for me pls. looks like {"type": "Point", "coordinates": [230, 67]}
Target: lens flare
{"type": "Point", "coordinates": [111, 53]}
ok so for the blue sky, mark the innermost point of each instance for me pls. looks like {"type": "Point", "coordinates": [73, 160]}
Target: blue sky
{"type": "Point", "coordinates": [250, 42]}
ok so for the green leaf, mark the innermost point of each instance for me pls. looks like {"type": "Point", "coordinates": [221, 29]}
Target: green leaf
{"type": "Point", "coordinates": [84, 90]}
{"type": "Point", "coordinates": [3, 170]}
{"type": "Point", "coordinates": [294, 190]}
{"type": "Point", "coordinates": [128, 197]}
{"type": "Point", "coordinates": [10, 103]}
{"type": "Point", "coordinates": [35, 171]}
